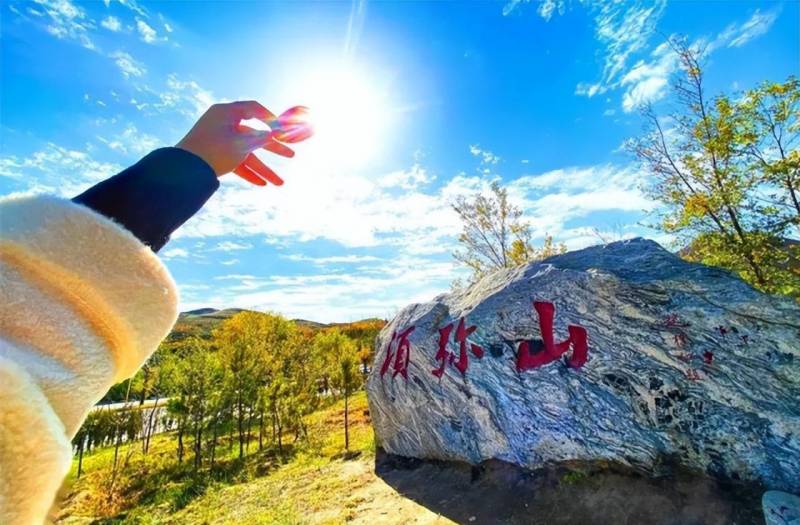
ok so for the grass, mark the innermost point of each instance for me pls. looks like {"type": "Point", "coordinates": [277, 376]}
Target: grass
{"type": "Point", "coordinates": [311, 482]}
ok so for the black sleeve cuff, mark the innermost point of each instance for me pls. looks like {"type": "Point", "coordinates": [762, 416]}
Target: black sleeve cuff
{"type": "Point", "coordinates": [155, 196]}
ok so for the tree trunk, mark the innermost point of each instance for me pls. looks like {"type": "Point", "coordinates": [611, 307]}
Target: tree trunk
{"type": "Point", "coordinates": [230, 431]}
{"type": "Point", "coordinates": [80, 457]}
{"type": "Point", "coordinates": [180, 442]}
{"type": "Point", "coordinates": [198, 441]}
{"type": "Point", "coordinates": [214, 427]}
{"type": "Point", "coordinates": [274, 425]}
{"type": "Point", "coordinates": [149, 428]}
{"type": "Point", "coordinates": [249, 427]}
{"type": "Point", "coordinates": [279, 428]}
{"type": "Point", "coordinates": [346, 426]}
{"type": "Point", "coordinates": [261, 429]}
{"type": "Point", "coordinates": [240, 424]}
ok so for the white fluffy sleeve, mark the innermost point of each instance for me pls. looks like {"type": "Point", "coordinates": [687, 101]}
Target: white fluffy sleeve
{"type": "Point", "coordinates": [82, 304]}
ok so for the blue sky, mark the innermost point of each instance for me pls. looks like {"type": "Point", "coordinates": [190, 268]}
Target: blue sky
{"type": "Point", "coordinates": [424, 100]}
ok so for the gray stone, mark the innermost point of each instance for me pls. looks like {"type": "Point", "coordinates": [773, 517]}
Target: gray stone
{"type": "Point", "coordinates": [646, 392]}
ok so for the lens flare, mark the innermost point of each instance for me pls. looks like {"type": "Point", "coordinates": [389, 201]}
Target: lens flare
{"type": "Point", "coordinates": [293, 125]}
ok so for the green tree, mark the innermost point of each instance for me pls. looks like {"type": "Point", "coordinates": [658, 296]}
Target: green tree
{"type": "Point", "coordinates": [713, 163]}
{"type": "Point", "coordinates": [240, 340]}
{"type": "Point", "coordinates": [349, 379]}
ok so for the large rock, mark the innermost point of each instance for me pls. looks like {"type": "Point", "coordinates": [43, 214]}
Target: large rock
{"type": "Point", "coordinates": [684, 361]}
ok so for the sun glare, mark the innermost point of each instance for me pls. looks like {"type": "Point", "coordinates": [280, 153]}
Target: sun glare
{"type": "Point", "coordinates": [350, 114]}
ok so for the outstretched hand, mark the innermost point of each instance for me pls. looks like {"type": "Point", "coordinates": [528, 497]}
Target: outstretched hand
{"type": "Point", "coordinates": [227, 146]}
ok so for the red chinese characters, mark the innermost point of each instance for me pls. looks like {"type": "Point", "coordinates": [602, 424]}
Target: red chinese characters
{"type": "Point", "coordinates": [445, 356]}
{"type": "Point", "coordinates": [552, 350]}
{"type": "Point", "coordinates": [401, 354]}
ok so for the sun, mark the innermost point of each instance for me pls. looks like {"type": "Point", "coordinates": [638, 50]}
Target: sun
{"type": "Point", "coordinates": [349, 110]}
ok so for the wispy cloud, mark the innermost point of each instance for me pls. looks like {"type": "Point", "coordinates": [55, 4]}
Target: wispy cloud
{"type": "Point", "coordinates": [129, 66]}
{"type": "Point", "coordinates": [648, 81]}
{"type": "Point", "coordinates": [65, 21]}
{"type": "Point", "coordinates": [623, 29]}
{"type": "Point", "coordinates": [111, 23]}
{"type": "Point", "coordinates": [336, 297]}
{"type": "Point", "coordinates": [406, 179]}
{"type": "Point", "coordinates": [333, 259]}
{"type": "Point", "coordinates": [485, 156]}
{"type": "Point", "coordinates": [230, 246]}
{"type": "Point", "coordinates": [56, 170]}
{"type": "Point", "coordinates": [737, 35]}
{"type": "Point", "coordinates": [173, 253]}
{"type": "Point", "coordinates": [147, 33]}
{"type": "Point", "coordinates": [131, 140]}
{"type": "Point", "coordinates": [134, 6]}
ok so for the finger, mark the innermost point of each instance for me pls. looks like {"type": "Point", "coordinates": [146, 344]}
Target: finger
{"type": "Point", "coordinates": [294, 125]}
{"type": "Point", "coordinates": [293, 134]}
{"type": "Point", "coordinates": [248, 175]}
{"type": "Point", "coordinates": [278, 149]}
{"type": "Point", "coordinates": [245, 109]}
{"type": "Point", "coordinates": [263, 171]}
{"type": "Point", "coordinates": [254, 139]}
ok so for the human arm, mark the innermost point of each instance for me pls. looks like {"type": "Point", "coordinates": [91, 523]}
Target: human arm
{"type": "Point", "coordinates": [84, 300]}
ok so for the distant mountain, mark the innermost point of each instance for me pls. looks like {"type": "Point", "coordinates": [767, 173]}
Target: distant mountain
{"type": "Point", "coordinates": [310, 324]}
{"type": "Point", "coordinates": [200, 311]}
{"type": "Point", "coordinates": [202, 321]}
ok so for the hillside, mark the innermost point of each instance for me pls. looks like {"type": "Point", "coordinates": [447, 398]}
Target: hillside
{"type": "Point", "coordinates": [202, 321]}
{"type": "Point", "coordinates": [317, 483]}
{"type": "Point", "coordinates": [314, 482]}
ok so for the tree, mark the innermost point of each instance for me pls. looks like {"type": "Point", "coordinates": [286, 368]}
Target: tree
{"type": "Point", "coordinates": [494, 234]}
{"type": "Point", "coordinates": [713, 162]}
{"type": "Point", "coordinates": [342, 357]}
{"type": "Point", "coordinates": [259, 353]}
{"type": "Point", "coordinates": [770, 130]}
{"type": "Point", "coordinates": [240, 340]}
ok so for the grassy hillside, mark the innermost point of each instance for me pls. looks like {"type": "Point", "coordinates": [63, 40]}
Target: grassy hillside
{"type": "Point", "coordinates": [309, 482]}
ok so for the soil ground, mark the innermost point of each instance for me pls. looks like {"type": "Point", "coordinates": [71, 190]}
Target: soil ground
{"type": "Point", "coordinates": [576, 494]}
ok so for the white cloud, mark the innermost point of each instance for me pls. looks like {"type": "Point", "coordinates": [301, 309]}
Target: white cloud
{"type": "Point", "coordinates": [350, 209]}
{"type": "Point", "coordinates": [590, 90]}
{"type": "Point", "coordinates": [357, 212]}
{"type": "Point", "coordinates": [379, 290]}
{"type": "Point", "coordinates": [186, 97]}
{"type": "Point", "coordinates": [757, 25]}
{"type": "Point", "coordinates": [333, 259]}
{"type": "Point", "coordinates": [486, 156]}
{"type": "Point", "coordinates": [550, 200]}
{"type": "Point", "coordinates": [129, 66]}
{"type": "Point", "coordinates": [229, 246]}
{"type": "Point", "coordinates": [647, 82]}
{"type": "Point", "coordinates": [406, 179]}
{"type": "Point", "coordinates": [622, 28]}
{"type": "Point", "coordinates": [131, 140]}
{"type": "Point", "coordinates": [134, 6]}
{"type": "Point", "coordinates": [147, 33]}
{"type": "Point", "coordinates": [56, 170]}
{"type": "Point", "coordinates": [173, 253]}
{"type": "Point", "coordinates": [111, 23]}
{"type": "Point", "coordinates": [415, 228]}
{"type": "Point", "coordinates": [66, 21]}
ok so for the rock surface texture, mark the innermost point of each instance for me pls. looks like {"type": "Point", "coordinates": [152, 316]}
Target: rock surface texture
{"type": "Point", "coordinates": [682, 361]}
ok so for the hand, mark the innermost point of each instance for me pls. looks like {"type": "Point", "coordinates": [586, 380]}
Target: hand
{"type": "Point", "coordinates": [226, 145]}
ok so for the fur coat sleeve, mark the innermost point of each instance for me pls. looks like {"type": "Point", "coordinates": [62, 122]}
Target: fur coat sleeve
{"type": "Point", "coordinates": [83, 303]}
